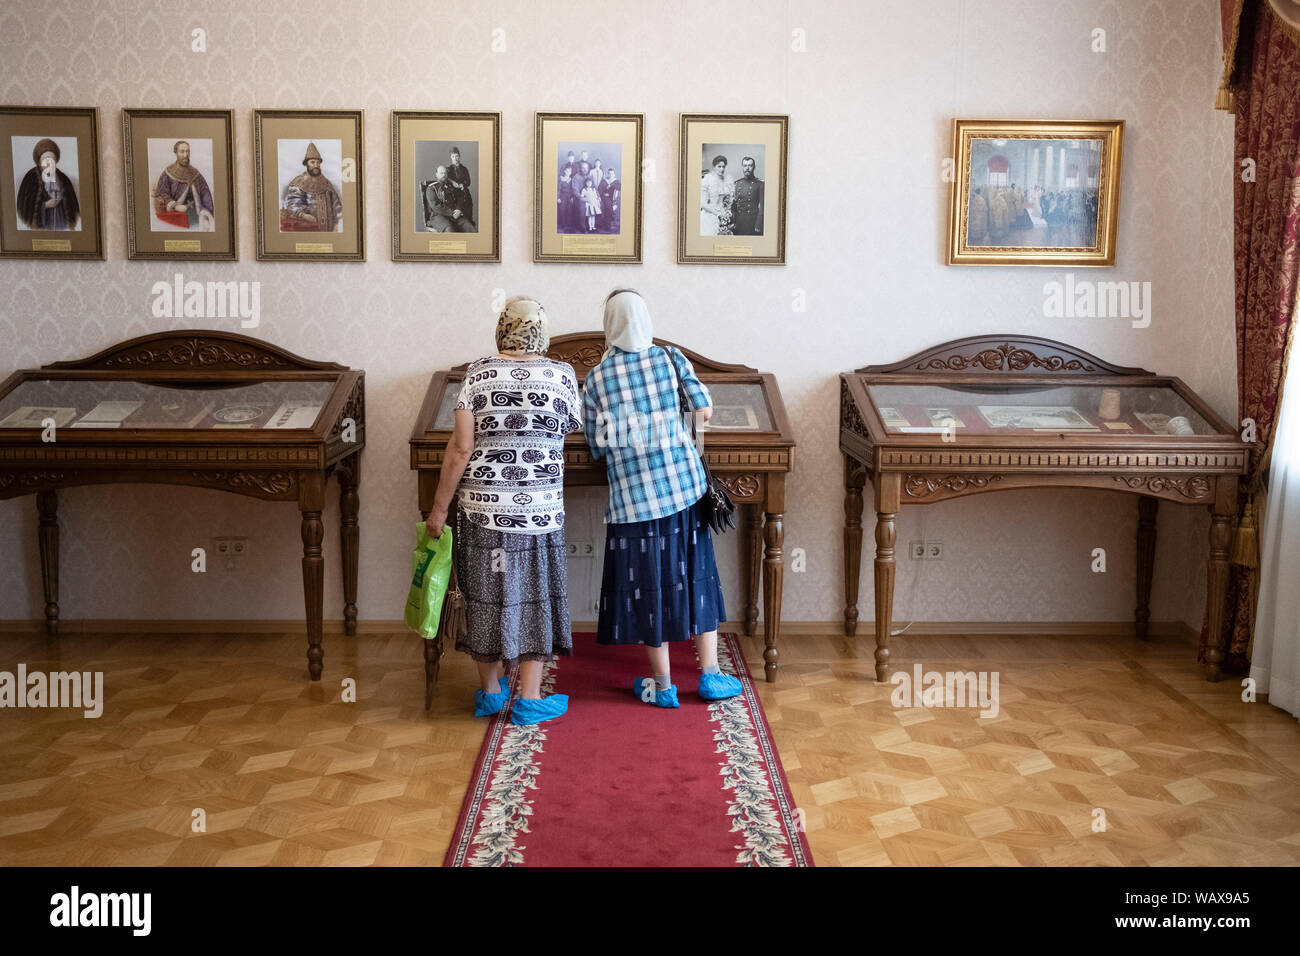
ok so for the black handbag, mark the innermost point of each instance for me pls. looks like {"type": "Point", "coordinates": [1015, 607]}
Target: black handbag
{"type": "Point", "coordinates": [719, 511]}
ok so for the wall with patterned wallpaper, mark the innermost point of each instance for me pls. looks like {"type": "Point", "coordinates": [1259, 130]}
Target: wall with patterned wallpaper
{"type": "Point", "coordinates": [870, 103]}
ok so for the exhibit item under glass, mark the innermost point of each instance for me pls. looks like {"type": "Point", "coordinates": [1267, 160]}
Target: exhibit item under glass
{"type": "Point", "coordinates": [991, 413]}
{"type": "Point", "coordinates": [196, 407]}
{"type": "Point", "coordinates": [751, 450]}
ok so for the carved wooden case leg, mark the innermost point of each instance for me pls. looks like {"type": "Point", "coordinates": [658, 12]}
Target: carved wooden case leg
{"type": "Point", "coordinates": [1146, 557]}
{"type": "Point", "coordinates": [855, 479]}
{"type": "Point", "coordinates": [47, 507]}
{"type": "Point", "coordinates": [349, 472]}
{"type": "Point", "coordinates": [887, 503]}
{"type": "Point", "coordinates": [310, 502]}
{"type": "Point", "coordinates": [751, 562]}
{"type": "Point", "coordinates": [1224, 511]}
{"type": "Point", "coordinates": [773, 572]}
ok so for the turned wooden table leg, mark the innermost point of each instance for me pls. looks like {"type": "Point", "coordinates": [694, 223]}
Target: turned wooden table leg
{"type": "Point", "coordinates": [349, 472]}
{"type": "Point", "coordinates": [1146, 557]}
{"type": "Point", "coordinates": [751, 562]}
{"type": "Point", "coordinates": [773, 572]}
{"type": "Point", "coordinates": [1225, 508]}
{"type": "Point", "coordinates": [310, 495]}
{"type": "Point", "coordinates": [855, 479]}
{"type": "Point", "coordinates": [887, 494]}
{"type": "Point", "coordinates": [47, 506]}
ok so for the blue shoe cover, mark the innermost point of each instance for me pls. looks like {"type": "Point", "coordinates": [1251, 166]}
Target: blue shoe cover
{"type": "Point", "coordinates": [644, 688]}
{"type": "Point", "coordinates": [719, 686]}
{"type": "Point", "coordinates": [485, 704]}
{"type": "Point", "coordinates": [528, 711]}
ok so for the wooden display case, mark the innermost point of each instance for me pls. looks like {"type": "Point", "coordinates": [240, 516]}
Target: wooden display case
{"type": "Point", "coordinates": [196, 407]}
{"type": "Point", "coordinates": [991, 413]}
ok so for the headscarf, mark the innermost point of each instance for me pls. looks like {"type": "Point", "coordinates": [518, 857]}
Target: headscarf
{"type": "Point", "coordinates": [627, 322]}
{"type": "Point", "coordinates": [522, 326]}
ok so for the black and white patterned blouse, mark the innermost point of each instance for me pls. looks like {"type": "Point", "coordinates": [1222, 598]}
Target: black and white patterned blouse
{"type": "Point", "coordinates": [522, 410]}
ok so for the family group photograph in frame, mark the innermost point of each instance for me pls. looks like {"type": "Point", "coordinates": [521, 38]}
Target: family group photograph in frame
{"type": "Point", "coordinates": [587, 187]}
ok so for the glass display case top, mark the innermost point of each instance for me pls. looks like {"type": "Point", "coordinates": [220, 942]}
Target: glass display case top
{"type": "Point", "coordinates": [126, 404]}
{"type": "Point", "coordinates": [988, 409]}
{"type": "Point", "coordinates": [737, 407]}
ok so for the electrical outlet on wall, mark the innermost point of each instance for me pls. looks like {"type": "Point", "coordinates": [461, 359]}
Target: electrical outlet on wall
{"type": "Point", "coordinates": [934, 550]}
{"type": "Point", "coordinates": [916, 550]}
{"type": "Point", "coordinates": [581, 548]}
{"type": "Point", "coordinates": [229, 550]}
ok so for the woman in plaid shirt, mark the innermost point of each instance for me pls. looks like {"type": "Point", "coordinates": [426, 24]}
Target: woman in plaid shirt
{"type": "Point", "coordinates": [660, 580]}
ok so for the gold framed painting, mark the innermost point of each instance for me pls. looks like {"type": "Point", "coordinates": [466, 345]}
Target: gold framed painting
{"type": "Point", "coordinates": [731, 190]}
{"type": "Point", "coordinates": [180, 184]}
{"type": "Point", "coordinates": [446, 180]}
{"type": "Point", "coordinates": [587, 187]}
{"type": "Point", "coordinates": [1034, 193]}
{"type": "Point", "coordinates": [308, 174]}
{"type": "Point", "coordinates": [50, 202]}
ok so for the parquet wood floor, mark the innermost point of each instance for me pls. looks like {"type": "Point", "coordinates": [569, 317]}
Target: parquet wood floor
{"type": "Point", "coordinates": [287, 773]}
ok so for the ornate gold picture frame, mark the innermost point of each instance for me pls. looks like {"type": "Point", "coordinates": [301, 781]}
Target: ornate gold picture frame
{"type": "Point", "coordinates": [180, 184]}
{"type": "Point", "coordinates": [309, 182]}
{"type": "Point", "coordinates": [731, 192]}
{"type": "Point", "coordinates": [51, 206]}
{"type": "Point", "coordinates": [575, 217]}
{"type": "Point", "coordinates": [1034, 193]}
{"type": "Point", "coordinates": [446, 186]}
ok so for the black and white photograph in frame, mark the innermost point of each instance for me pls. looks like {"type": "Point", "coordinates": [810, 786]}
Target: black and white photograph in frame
{"type": "Point", "coordinates": [589, 191]}
{"type": "Point", "coordinates": [731, 189]}
{"type": "Point", "coordinates": [446, 185]}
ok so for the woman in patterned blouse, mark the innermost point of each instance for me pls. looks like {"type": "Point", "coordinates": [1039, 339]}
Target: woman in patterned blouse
{"type": "Point", "coordinates": [506, 456]}
{"type": "Point", "coordinates": [660, 580]}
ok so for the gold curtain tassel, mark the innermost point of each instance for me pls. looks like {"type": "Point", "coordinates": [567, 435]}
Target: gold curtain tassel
{"type": "Point", "coordinates": [1245, 542]}
{"type": "Point", "coordinates": [1223, 99]}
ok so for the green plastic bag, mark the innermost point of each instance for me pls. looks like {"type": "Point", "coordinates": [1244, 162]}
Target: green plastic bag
{"type": "Point", "coordinates": [430, 575]}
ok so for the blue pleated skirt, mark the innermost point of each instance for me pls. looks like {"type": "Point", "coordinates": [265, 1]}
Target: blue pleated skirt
{"type": "Point", "coordinates": [660, 581]}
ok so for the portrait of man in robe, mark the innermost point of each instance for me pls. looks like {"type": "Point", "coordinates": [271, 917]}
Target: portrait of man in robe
{"type": "Point", "coordinates": [311, 202]}
{"type": "Point", "coordinates": [47, 198]}
{"type": "Point", "coordinates": [181, 196]}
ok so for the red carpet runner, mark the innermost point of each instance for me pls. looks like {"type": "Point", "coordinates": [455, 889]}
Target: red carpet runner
{"type": "Point", "coordinates": [617, 782]}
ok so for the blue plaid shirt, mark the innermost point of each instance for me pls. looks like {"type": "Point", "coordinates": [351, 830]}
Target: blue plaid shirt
{"type": "Point", "coordinates": [631, 415]}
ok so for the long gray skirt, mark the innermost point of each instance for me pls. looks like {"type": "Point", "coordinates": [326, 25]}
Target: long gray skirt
{"type": "Point", "coordinates": [517, 609]}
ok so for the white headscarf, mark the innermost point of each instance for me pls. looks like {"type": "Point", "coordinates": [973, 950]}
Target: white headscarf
{"type": "Point", "coordinates": [627, 322]}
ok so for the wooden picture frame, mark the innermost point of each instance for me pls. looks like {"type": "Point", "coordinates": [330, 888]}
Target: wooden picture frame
{"type": "Point", "coordinates": [64, 220]}
{"type": "Point", "coordinates": [604, 226]}
{"type": "Point", "coordinates": [459, 220]}
{"type": "Point", "coordinates": [1035, 192]}
{"type": "Point", "coordinates": [304, 219]}
{"type": "Point", "coordinates": [179, 171]}
{"type": "Point", "coordinates": [732, 211]}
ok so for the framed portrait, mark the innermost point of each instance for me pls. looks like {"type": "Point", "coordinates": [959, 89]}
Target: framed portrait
{"type": "Point", "coordinates": [1034, 193]}
{"type": "Point", "coordinates": [731, 188]}
{"type": "Point", "coordinates": [180, 184]}
{"type": "Point", "coordinates": [587, 193]}
{"type": "Point", "coordinates": [50, 203]}
{"type": "Point", "coordinates": [310, 203]}
{"type": "Point", "coordinates": [446, 187]}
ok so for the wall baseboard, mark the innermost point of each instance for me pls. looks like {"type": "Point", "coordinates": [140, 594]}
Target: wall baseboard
{"type": "Point", "coordinates": [865, 631]}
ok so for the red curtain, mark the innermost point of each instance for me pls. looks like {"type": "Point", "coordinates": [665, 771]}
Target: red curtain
{"type": "Point", "coordinates": [1262, 75]}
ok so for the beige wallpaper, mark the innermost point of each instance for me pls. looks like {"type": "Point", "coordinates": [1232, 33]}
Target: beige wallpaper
{"type": "Point", "coordinates": [870, 99]}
